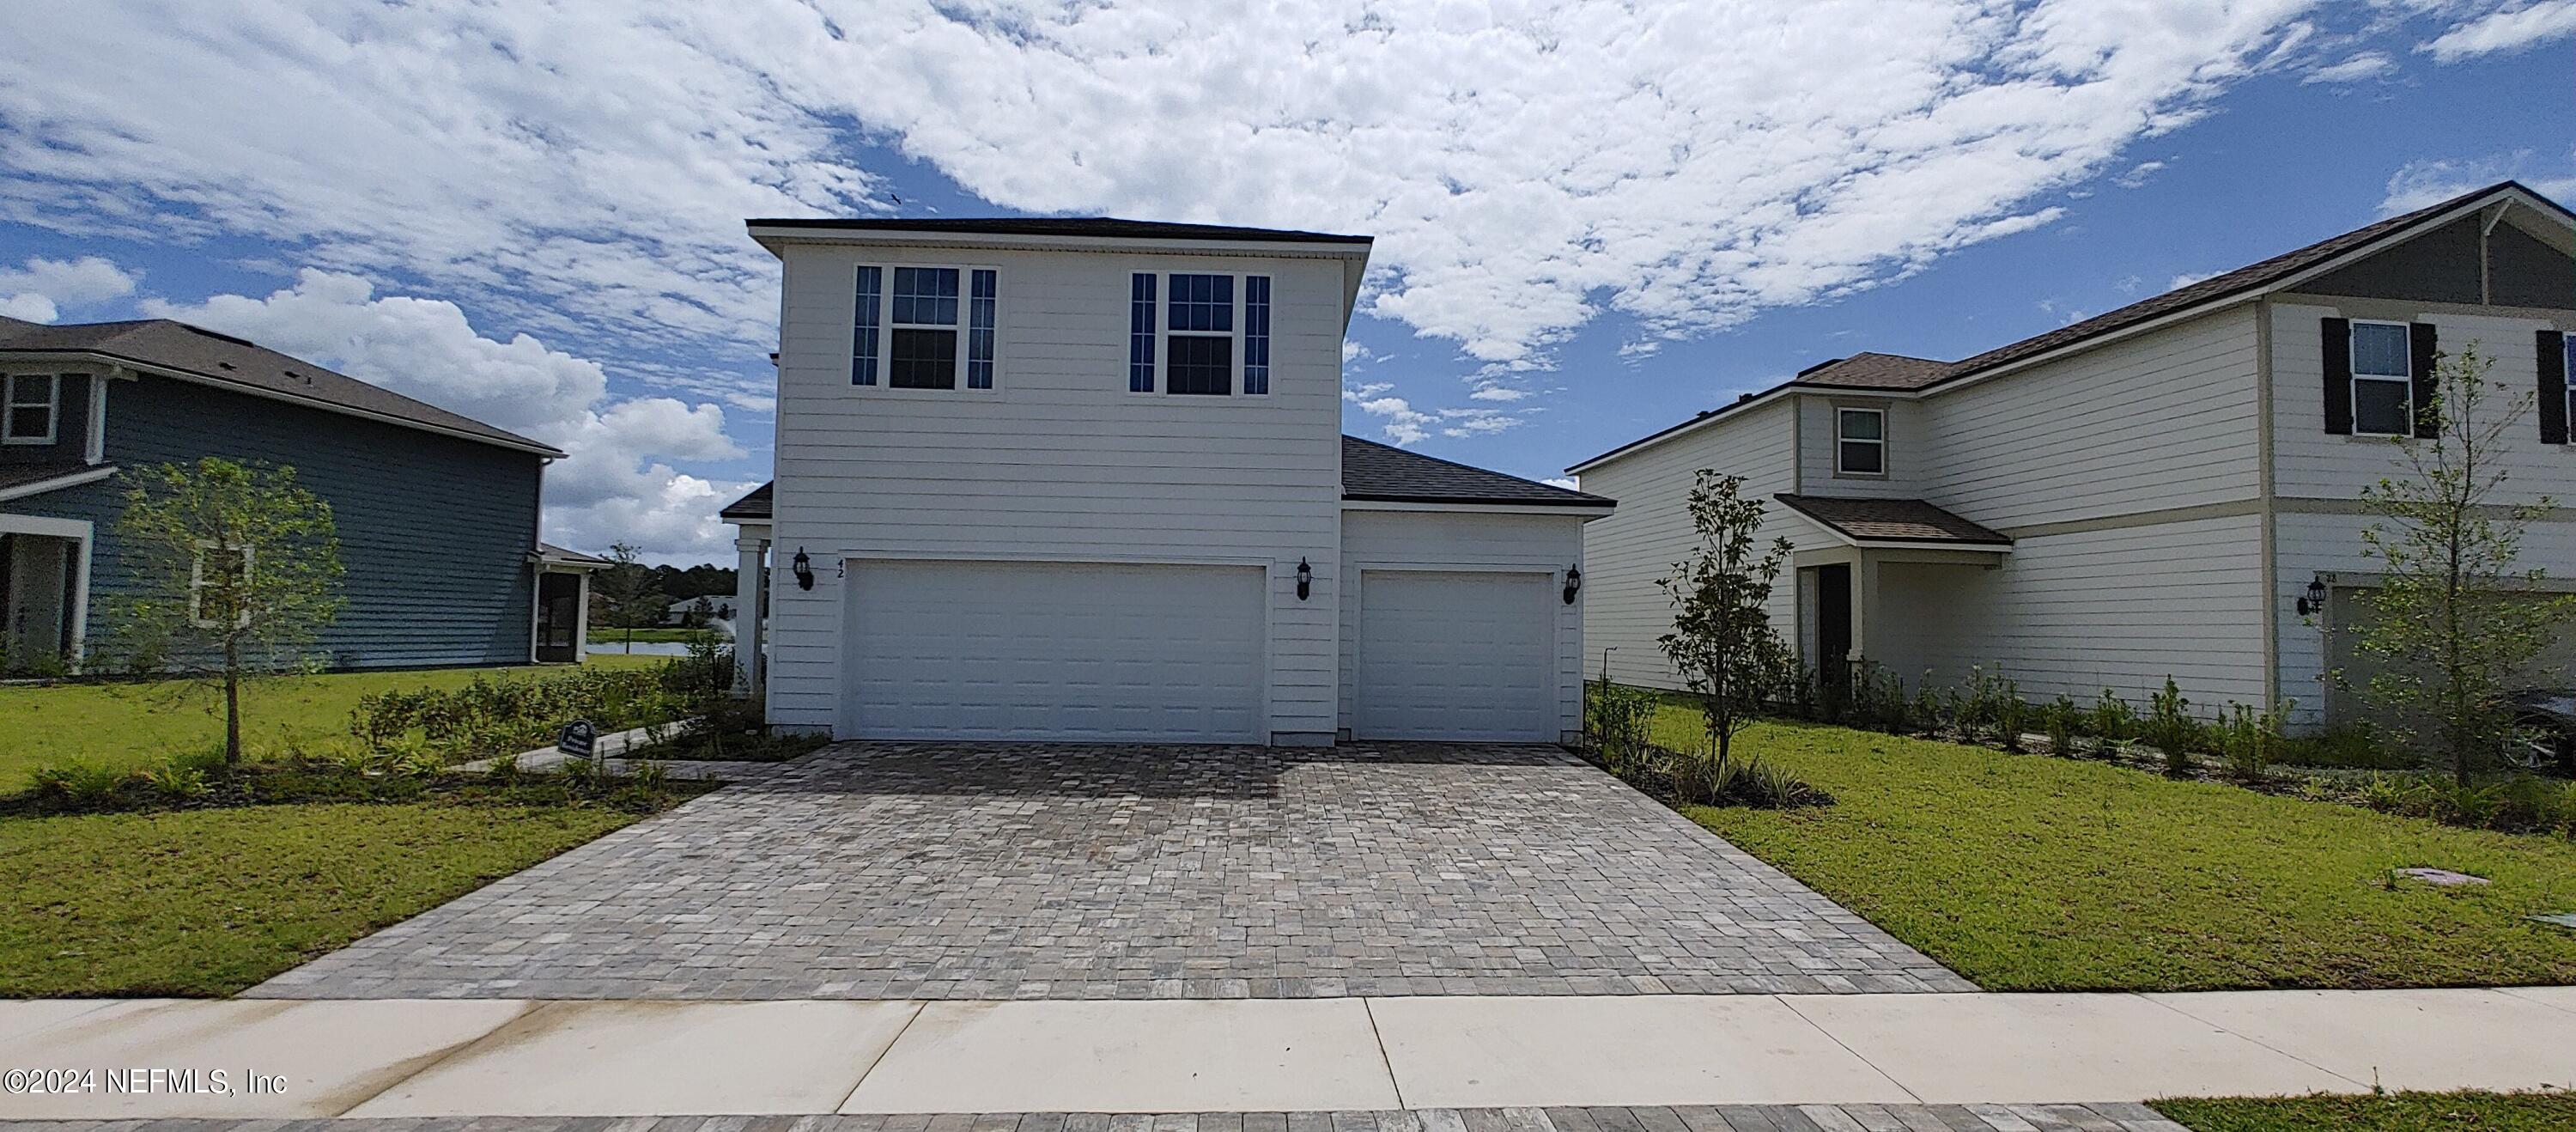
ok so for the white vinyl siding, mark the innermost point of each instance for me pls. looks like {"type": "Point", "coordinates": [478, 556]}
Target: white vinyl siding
{"type": "Point", "coordinates": [1375, 540]}
{"type": "Point", "coordinates": [1819, 473]}
{"type": "Point", "coordinates": [1059, 462]}
{"type": "Point", "coordinates": [1625, 553]}
{"type": "Point", "coordinates": [2167, 419]}
{"type": "Point", "coordinates": [2311, 463]}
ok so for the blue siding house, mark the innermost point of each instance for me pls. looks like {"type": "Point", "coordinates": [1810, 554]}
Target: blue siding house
{"type": "Point", "coordinates": [437, 513]}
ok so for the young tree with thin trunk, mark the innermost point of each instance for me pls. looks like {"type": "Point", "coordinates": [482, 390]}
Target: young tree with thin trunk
{"type": "Point", "coordinates": [2456, 619]}
{"type": "Point", "coordinates": [238, 572]}
{"type": "Point", "coordinates": [627, 595]}
{"type": "Point", "coordinates": [1722, 642]}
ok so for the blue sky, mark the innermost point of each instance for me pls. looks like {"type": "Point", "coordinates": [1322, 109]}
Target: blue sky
{"type": "Point", "coordinates": [1593, 220]}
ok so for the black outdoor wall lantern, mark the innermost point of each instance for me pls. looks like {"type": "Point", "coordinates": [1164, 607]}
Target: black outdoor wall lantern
{"type": "Point", "coordinates": [804, 570]}
{"type": "Point", "coordinates": [1305, 579]}
{"type": "Point", "coordinates": [1573, 583]}
{"type": "Point", "coordinates": [2315, 602]}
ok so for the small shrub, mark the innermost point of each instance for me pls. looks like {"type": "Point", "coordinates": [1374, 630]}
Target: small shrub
{"type": "Point", "coordinates": [79, 784]}
{"type": "Point", "coordinates": [2113, 722]}
{"type": "Point", "coordinates": [650, 776]}
{"type": "Point", "coordinates": [1619, 720]}
{"type": "Point", "coordinates": [2251, 741]}
{"type": "Point", "coordinates": [1702, 779]}
{"type": "Point", "coordinates": [178, 779]}
{"type": "Point", "coordinates": [2170, 729]}
{"type": "Point", "coordinates": [1935, 710]}
{"type": "Point", "coordinates": [2343, 746]}
{"type": "Point", "coordinates": [2062, 720]}
{"type": "Point", "coordinates": [2012, 716]}
{"type": "Point", "coordinates": [504, 770]}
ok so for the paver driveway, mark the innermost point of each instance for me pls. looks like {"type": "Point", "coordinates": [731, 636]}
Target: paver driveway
{"type": "Point", "coordinates": [981, 871]}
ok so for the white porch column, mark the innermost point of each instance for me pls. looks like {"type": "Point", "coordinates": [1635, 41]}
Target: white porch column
{"type": "Point", "coordinates": [746, 615]}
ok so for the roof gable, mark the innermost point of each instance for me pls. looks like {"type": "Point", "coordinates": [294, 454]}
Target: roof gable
{"type": "Point", "coordinates": [220, 359]}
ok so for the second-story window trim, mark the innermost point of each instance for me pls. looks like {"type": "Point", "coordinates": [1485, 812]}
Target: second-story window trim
{"type": "Point", "coordinates": [2383, 378]}
{"type": "Point", "coordinates": [34, 409]}
{"type": "Point", "coordinates": [1199, 333]}
{"type": "Point", "coordinates": [928, 327]}
{"type": "Point", "coordinates": [1860, 441]}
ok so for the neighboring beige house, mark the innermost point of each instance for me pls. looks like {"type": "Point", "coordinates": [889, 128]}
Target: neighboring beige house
{"type": "Point", "coordinates": [1058, 478]}
{"type": "Point", "coordinates": [2155, 491]}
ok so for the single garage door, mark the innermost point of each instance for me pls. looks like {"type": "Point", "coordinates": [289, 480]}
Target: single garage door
{"type": "Point", "coordinates": [1054, 650]}
{"type": "Point", "coordinates": [2555, 667]}
{"type": "Point", "coordinates": [1460, 655]}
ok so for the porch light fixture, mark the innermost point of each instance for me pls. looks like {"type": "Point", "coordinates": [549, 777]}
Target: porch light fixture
{"type": "Point", "coordinates": [1305, 579]}
{"type": "Point", "coordinates": [1573, 583]}
{"type": "Point", "coordinates": [804, 568]}
{"type": "Point", "coordinates": [2315, 602]}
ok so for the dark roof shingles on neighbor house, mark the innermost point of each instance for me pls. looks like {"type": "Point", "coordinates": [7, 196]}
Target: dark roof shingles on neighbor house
{"type": "Point", "coordinates": [226, 360]}
{"type": "Point", "coordinates": [1097, 227]}
{"type": "Point", "coordinates": [752, 506]}
{"type": "Point", "coordinates": [1373, 471]}
{"type": "Point", "coordinates": [1370, 471]}
{"type": "Point", "coordinates": [1892, 520]}
{"type": "Point", "coordinates": [1902, 373]}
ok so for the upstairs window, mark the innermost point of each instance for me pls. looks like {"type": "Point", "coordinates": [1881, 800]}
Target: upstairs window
{"type": "Point", "coordinates": [34, 408]}
{"type": "Point", "coordinates": [2383, 379]}
{"type": "Point", "coordinates": [1860, 442]}
{"type": "Point", "coordinates": [928, 333]}
{"type": "Point", "coordinates": [1198, 334]}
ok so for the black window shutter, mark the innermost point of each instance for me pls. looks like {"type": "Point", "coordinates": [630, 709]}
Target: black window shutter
{"type": "Point", "coordinates": [2553, 387]}
{"type": "Point", "coordinates": [2336, 335]}
{"type": "Point", "coordinates": [2420, 336]}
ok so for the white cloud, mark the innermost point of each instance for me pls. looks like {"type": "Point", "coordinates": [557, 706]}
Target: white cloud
{"type": "Point", "coordinates": [2138, 174]}
{"type": "Point", "coordinates": [2186, 279]}
{"type": "Point", "coordinates": [2431, 181]}
{"type": "Point", "coordinates": [2512, 29]}
{"type": "Point", "coordinates": [1563, 482]}
{"type": "Point", "coordinates": [582, 167]}
{"type": "Point", "coordinates": [37, 290]}
{"type": "Point", "coordinates": [615, 484]}
{"type": "Point", "coordinates": [2363, 65]}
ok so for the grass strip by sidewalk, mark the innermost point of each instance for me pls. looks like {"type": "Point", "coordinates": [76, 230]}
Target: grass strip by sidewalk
{"type": "Point", "coordinates": [208, 902]}
{"type": "Point", "coordinates": [2026, 872]}
{"type": "Point", "coordinates": [2393, 1112]}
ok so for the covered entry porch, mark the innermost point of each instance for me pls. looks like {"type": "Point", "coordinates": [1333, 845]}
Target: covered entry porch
{"type": "Point", "coordinates": [1869, 578]}
{"type": "Point", "coordinates": [44, 594]}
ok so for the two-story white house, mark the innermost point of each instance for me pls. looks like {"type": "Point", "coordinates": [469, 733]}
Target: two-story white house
{"type": "Point", "coordinates": [2171, 488]}
{"type": "Point", "coordinates": [1084, 479]}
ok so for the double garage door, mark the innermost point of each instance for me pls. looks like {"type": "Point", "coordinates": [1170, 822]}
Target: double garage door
{"type": "Point", "coordinates": [2348, 701]}
{"type": "Point", "coordinates": [1055, 650]}
{"type": "Point", "coordinates": [1153, 653]}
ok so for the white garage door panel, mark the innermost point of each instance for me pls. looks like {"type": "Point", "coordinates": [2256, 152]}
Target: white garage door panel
{"type": "Point", "coordinates": [1460, 656]}
{"type": "Point", "coordinates": [1054, 650]}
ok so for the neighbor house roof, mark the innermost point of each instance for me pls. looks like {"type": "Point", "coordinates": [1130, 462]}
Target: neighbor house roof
{"type": "Point", "coordinates": [194, 353]}
{"type": "Point", "coordinates": [752, 506]}
{"type": "Point", "coordinates": [558, 556]}
{"type": "Point", "coordinates": [1891, 520]}
{"type": "Point", "coordinates": [18, 481]}
{"type": "Point", "coordinates": [1384, 473]}
{"type": "Point", "coordinates": [1371, 472]}
{"type": "Point", "coordinates": [1095, 227]}
{"type": "Point", "coordinates": [1897, 372]}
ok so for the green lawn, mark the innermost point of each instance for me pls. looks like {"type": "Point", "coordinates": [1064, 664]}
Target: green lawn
{"type": "Point", "coordinates": [2025, 872]}
{"type": "Point", "coordinates": [139, 723]}
{"type": "Point", "coordinates": [2397, 1112]}
{"type": "Point", "coordinates": [207, 902]}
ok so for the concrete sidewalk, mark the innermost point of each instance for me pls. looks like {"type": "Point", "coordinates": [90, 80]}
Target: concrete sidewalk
{"type": "Point", "coordinates": [414, 1058]}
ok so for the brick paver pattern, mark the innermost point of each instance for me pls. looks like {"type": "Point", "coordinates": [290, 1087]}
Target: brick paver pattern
{"type": "Point", "coordinates": [982, 871]}
{"type": "Point", "coordinates": [2123, 1117]}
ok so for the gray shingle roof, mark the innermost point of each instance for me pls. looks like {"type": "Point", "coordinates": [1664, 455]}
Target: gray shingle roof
{"type": "Point", "coordinates": [28, 475]}
{"type": "Point", "coordinates": [226, 360]}
{"type": "Point", "coordinates": [1375, 471]}
{"type": "Point", "coordinates": [1108, 227]}
{"type": "Point", "coordinates": [752, 506]}
{"type": "Point", "coordinates": [555, 553]}
{"type": "Point", "coordinates": [1892, 520]}
{"type": "Point", "coordinates": [1867, 370]}
{"type": "Point", "coordinates": [1370, 471]}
